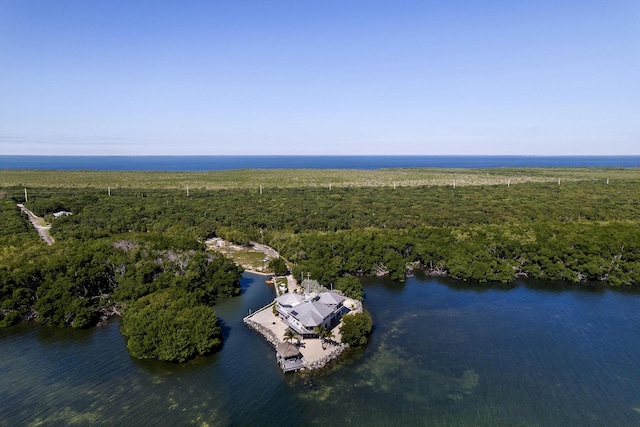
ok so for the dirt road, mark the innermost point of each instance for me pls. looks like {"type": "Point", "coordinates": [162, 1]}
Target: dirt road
{"type": "Point", "coordinates": [42, 230]}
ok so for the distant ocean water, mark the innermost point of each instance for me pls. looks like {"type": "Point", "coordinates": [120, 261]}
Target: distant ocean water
{"type": "Point", "coordinates": [209, 163]}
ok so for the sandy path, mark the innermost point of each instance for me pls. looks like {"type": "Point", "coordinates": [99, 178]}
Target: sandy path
{"type": "Point", "coordinates": [42, 230]}
{"type": "Point", "coordinates": [267, 250]}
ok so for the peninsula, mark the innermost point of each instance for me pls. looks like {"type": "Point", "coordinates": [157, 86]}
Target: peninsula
{"type": "Point", "coordinates": [307, 313]}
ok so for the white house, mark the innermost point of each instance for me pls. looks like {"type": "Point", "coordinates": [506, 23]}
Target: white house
{"type": "Point", "coordinates": [303, 313]}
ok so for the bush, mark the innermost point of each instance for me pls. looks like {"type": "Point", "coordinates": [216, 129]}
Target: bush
{"type": "Point", "coordinates": [170, 325]}
{"type": "Point", "coordinates": [9, 319]}
{"type": "Point", "coordinates": [279, 266]}
{"type": "Point", "coordinates": [356, 329]}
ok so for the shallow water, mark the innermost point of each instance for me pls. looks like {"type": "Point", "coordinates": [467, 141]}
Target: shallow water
{"type": "Point", "coordinates": [442, 353]}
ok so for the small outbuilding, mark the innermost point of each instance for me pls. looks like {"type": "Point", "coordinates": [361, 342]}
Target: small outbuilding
{"type": "Point", "coordinates": [289, 357]}
{"type": "Point", "coordinates": [61, 213]}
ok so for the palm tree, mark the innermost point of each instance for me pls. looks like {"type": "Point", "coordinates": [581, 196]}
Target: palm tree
{"type": "Point", "coordinates": [328, 335]}
{"type": "Point", "coordinates": [290, 334]}
{"type": "Point", "coordinates": [319, 330]}
{"type": "Point", "coordinates": [324, 334]}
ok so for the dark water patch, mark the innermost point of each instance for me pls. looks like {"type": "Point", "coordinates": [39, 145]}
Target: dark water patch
{"type": "Point", "coordinates": [225, 328]}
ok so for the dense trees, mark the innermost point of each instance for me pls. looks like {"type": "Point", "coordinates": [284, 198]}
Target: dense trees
{"type": "Point", "coordinates": [170, 325]}
{"type": "Point", "coordinates": [546, 250]}
{"type": "Point", "coordinates": [350, 286]}
{"type": "Point", "coordinates": [120, 248]}
{"type": "Point", "coordinates": [356, 328]}
{"type": "Point", "coordinates": [574, 231]}
{"type": "Point", "coordinates": [69, 282]}
{"type": "Point", "coordinates": [278, 266]}
{"type": "Point", "coordinates": [240, 215]}
{"type": "Point", "coordinates": [143, 270]}
{"type": "Point", "coordinates": [14, 227]}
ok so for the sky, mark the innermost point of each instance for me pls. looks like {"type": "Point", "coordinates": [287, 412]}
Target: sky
{"type": "Point", "coordinates": [331, 77]}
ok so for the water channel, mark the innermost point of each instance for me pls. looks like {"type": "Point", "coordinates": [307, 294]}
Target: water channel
{"type": "Point", "coordinates": [443, 353]}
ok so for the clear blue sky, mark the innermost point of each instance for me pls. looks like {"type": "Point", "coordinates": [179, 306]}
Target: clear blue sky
{"type": "Point", "coordinates": [126, 77]}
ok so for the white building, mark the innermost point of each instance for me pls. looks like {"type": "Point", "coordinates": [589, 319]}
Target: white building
{"type": "Point", "coordinates": [61, 213]}
{"type": "Point", "coordinates": [303, 313]}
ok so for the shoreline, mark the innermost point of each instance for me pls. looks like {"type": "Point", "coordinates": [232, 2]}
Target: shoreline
{"type": "Point", "coordinates": [307, 345]}
{"type": "Point", "coordinates": [260, 273]}
{"type": "Point", "coordinates": [316, 353]}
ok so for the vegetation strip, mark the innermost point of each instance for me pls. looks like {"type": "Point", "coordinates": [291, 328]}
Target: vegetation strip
{"type": "Point", "coordinates": [306, 178]}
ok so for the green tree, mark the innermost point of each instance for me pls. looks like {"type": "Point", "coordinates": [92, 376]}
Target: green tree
{"type": "Point", "coordinates": [290, 334]}
{"type": "Point", "coordinates": [57, 306]}
{"type": "Point", "coordinates": [278, 266]}
{"type": "Point", "coordinates": [356, 329]}
{"type": "Point", "coordinates": [350, 286]}
{"type": "Point", "coordinates": [170, 325]}
{"type": "Point", "coordinates": [323, 333]}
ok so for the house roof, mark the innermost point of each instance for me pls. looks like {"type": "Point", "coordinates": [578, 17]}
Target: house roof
{"type": "Point", "coordinates": [330, 298]}
{"type": "Point", "coordinates": [290, 299]}
{"type": "Point", "coordinates": [311, 313]}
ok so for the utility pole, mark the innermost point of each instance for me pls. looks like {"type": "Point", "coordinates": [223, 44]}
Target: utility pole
{"type": "Point", "coordinates": [187, 191]}
{"type": "Point", "coordinates": [261, 189]}
{"type": "Point", "coordinates": [109, 191]}
{"type": "Point", "coordinates": [26, 198]}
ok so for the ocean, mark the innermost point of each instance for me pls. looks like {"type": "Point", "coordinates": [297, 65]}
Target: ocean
{"type": "Point", "coordinates": [211, 163]}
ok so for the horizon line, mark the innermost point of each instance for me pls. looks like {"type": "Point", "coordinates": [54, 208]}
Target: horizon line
{"type": "Point", "coordinates": [319, 155]}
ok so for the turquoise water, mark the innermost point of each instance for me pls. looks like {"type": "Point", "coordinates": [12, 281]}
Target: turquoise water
{"type": "Point", "coordinates": [442, 353]}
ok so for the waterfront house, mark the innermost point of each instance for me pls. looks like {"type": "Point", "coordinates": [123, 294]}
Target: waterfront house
{"type": "Point", "coordinates": [303, 313]}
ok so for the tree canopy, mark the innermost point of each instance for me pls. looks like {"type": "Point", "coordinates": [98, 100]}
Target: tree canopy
{"type": "Point", "coordinates": [350, 286]}
{"type": "Point", "coordinates": [356, 328]}
{"type": "Point", "coordinates": [121, 247]}
{"type": "Point", "coordinates": [170, 325]}
{"type": "Point", "coordinates": [278, 266]}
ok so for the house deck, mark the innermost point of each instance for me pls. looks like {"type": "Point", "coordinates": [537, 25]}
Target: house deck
{"type": "Point", "coordinates": [289, 365]}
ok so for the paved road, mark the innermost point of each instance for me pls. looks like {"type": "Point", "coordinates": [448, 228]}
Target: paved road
{"type": "Point", "coordinates": [42, 230]}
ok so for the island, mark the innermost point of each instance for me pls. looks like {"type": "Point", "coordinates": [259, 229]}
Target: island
{"type": "Point", "coordinates": [307, 312]}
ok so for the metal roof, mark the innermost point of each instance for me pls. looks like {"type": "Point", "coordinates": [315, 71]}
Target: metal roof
{"type": "Point", "coordinates": [311, 313]}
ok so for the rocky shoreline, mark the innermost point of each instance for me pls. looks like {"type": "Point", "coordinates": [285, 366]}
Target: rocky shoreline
{"type": "Point", "coordinates": [272, 339]}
